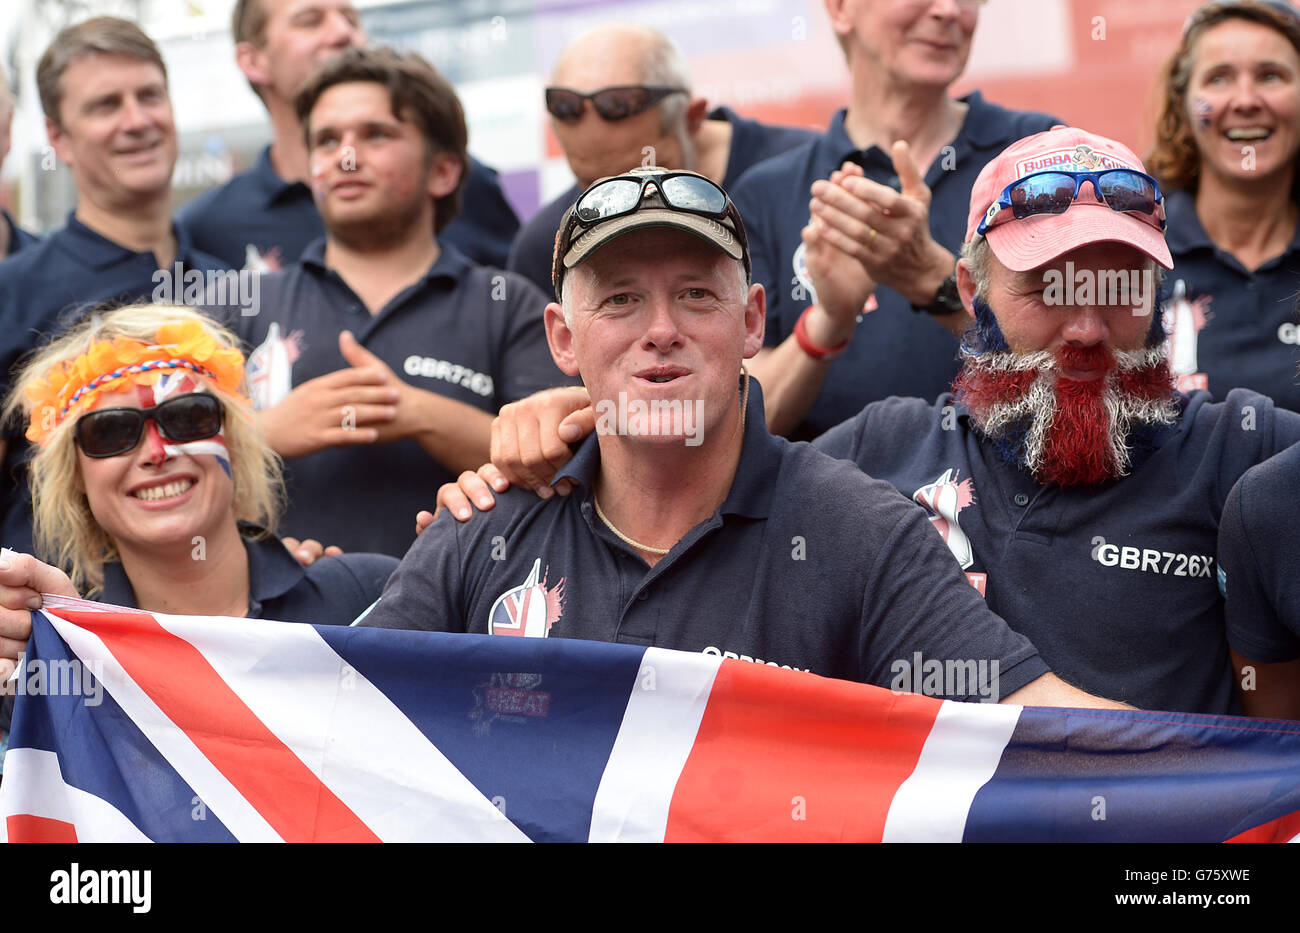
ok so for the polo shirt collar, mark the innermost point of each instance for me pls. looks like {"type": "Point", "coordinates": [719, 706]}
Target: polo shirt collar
{"type": "Point", "coordinates": [272, 572]}
{"type": "Point", "coordinates": [18, 237]}
{"type": "Point", "coordinates": [270, 186]}
{"type": "Point", "coordinates": [1183, 230]}
{"type": "Point", "coordinates": [753, 485]}
{"type": "Point", "coordinates": [98, 252]}
{"type": "Point", "coordinates": [451, 263]}
{"type": "Point", "coordinates": [981, 129]}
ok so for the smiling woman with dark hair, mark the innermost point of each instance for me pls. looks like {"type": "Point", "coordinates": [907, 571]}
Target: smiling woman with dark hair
{"type": "Point", "coordinates": [1226, 148]}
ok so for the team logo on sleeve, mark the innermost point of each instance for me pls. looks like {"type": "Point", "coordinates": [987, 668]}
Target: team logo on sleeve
{"type": "Point", "coordinates": [1184, 319]}
{"type": "Point", "coordinates": [529, 609]}
{"type": "Point", "coordinates": [944, 499]}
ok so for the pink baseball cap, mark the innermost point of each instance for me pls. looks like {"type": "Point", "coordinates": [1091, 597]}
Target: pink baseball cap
{"type": "Point", "coordinates": [1033, 241]}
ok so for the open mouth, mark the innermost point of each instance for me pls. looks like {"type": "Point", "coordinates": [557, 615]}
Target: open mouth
{"type": "Point", "coordinates": [1243, 134]}
{"type": "Point", "coordinates": [142, 149]}
{"type": "Point", "coordinates": [662, 375]}
{"type": "Point", "coordinates": [172, 489]}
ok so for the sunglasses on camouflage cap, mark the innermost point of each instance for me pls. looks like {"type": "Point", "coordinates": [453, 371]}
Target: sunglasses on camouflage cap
{"type": "Point", "coordinates": [612, 103]}
{"type": "Point", "coordinates": [610, 198]}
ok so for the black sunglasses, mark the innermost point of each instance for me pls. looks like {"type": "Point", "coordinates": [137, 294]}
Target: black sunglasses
{"type": "Point", "coordinates": [113, 431]}
{"type": "Point", "coordinates": [612, 103]}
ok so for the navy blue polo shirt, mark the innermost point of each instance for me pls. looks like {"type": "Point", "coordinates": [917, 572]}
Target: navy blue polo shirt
{"type": "Point", "coordinates": [1230, 327]}
{"type": "Point", "coordinates": [43, 289]}
{"type": "Point", "coordinates": [895, 350]}
{"type": "Point", "coordinates": [472, 333]}
{"type": "Point", "coordinates": [1115, 584]}
{"type": "Point", "coordinates": [751, 142]}
{"type": "Point", "coordinates": [278, 218]}
{"type": "Point", "coordinates": [807, 564]}
{"type": "Point", "coordinates": [332, 591]}
{"type": "Point", "coordinates": [1257, 564]}
{"type": "Point", "coordinates": [18, 237]}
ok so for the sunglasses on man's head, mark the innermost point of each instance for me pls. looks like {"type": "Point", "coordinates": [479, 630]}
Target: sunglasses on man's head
{"type": "Point", "coordinates": [686, 192]}
{"type": "Point", "coordinates": [1123, 190]}
{"type": "Point", "coordinates": [612, 103]}
{"type": "Point", "coordinates": [109, 432]}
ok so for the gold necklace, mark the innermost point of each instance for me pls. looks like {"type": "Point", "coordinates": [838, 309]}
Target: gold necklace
{"type": "Point", "coordinates": [622, 537]}
{"type": "Point", "coordinates": [744, 407]}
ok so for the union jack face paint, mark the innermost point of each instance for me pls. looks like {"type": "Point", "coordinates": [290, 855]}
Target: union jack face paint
{"type": "Point", "coordinates": [180, 382]}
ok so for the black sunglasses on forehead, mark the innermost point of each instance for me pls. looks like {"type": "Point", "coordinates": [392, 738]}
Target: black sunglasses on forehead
{"type": "Point", "coordinates": [109, 432]}
{"type": "Point", "coordinates": [612, 103]}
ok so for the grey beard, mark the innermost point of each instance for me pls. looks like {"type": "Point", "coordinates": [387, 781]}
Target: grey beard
{"type": "Point", "coordinates": [1026, 422]}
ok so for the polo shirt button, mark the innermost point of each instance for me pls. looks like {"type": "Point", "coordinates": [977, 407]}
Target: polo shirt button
{"type": "Point", "coordinates": [1022, 499]}
{"type": "Point", "coordinates": [1250, 285]}
{"type": "Point", "coordinates": [642, 595]}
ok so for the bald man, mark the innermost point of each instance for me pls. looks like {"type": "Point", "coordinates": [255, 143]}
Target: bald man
{"type": "Point", "coordinates": [638, 122]}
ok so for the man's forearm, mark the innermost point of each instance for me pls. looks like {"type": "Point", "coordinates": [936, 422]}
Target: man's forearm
{"type": "Point", "coordinates": [1050, 690]}
{"type": "Point", "coordinates": [927, 292]}
{"type": "Point", "coordinates": [455, 434]}
{"type": "Point", "coordinates": [791, 378]}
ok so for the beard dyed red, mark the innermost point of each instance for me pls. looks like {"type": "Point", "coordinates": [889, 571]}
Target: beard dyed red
{"type": "Point", "coordinates": [1066, 431]}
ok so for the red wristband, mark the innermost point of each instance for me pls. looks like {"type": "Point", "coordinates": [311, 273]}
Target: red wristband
{"type": "Point", "coordinates": [807, 346]}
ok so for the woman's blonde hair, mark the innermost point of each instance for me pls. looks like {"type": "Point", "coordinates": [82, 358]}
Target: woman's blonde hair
{"type": "Point", "coordinates": [66, 532]}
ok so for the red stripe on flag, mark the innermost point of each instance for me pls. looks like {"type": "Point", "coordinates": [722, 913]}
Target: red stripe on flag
{"type": "Point", "coordinates": [27, 828]}
{"type": "Point", "coordinates": [177, 677]}
{"type": "Point", "coordinates": [784, 757]}
{"type": "Point", "coordinates": [1282, 829]}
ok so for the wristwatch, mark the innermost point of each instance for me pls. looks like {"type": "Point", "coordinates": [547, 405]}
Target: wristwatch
{"type": "Point", "coordinates": [947, 300]}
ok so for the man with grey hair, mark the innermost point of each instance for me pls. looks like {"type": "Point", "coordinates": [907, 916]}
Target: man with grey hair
{"type": "Point", "coordinates": [12, 237]}
{"type": "Point", "coordinates": [620, 96]}
{"type": "Point", "coordinates": [683, 538]}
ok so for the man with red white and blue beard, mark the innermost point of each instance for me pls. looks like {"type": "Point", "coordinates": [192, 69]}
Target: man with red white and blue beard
{"type": "Point", "coordinates": [1094, 488]}
{"type": "Point", "coordinates": [1068, 431]}
{"type": "Point", "coordinates": [1077, 490]}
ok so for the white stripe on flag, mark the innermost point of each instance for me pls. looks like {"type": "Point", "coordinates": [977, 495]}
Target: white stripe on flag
{"type": "Point", "coordinates": [346, 731]}
{"type": "Point", "coordinates": [960, 755]}
{"type": "Point", "coordinates": [658, 731]}
{"type": "Point", "coordinates": [34, 786]}
{"type": "Point", "coordinates": [217, 793]}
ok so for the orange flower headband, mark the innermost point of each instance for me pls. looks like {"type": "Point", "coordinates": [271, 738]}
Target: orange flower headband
{"type": "Point", "coordinates": [109, 365]}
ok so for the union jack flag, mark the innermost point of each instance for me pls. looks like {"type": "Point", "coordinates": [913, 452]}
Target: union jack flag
{"type": "Point", "coordinates": [210, 729]}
